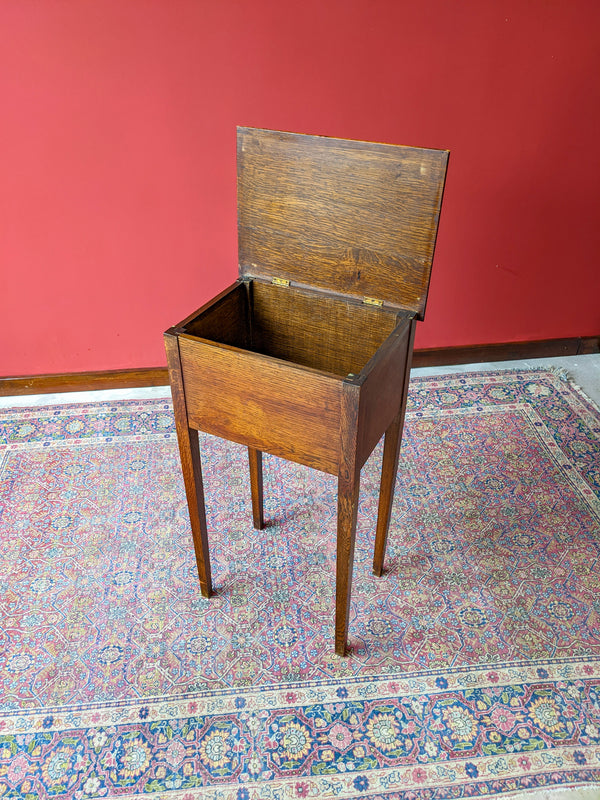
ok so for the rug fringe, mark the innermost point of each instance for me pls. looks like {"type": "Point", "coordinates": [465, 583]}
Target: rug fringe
{"type": "Point", "coordinates": [560, 372]}
{"type": "Point", "coordinates": [564, 375]}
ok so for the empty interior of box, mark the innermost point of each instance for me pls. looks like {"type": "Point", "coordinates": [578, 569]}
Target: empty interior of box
{"type": "Point", "coordinates": [327, 333]}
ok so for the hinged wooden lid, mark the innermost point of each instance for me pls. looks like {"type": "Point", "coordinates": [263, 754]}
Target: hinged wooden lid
{"type": "Point", "coordinates": [349, 217]}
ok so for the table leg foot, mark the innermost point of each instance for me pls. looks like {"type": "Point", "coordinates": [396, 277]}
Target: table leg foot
{"type": "Point", "coordinates": [256, 487]}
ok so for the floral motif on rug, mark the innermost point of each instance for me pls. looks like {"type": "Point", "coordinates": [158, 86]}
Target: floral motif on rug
{"type": "Point", "coordinates": [475, 660]}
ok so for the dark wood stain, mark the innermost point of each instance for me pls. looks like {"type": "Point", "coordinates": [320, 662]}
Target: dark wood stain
{"type": "Point", "coordinates": [350, 217]}
{"type": "Point", "coordinates": [307, 356]}
{"type": "Point", "coordinates": [261, 402]}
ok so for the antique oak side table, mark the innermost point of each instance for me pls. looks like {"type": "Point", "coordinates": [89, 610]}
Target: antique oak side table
{"type": "Point", "coordinates": [307, 355]}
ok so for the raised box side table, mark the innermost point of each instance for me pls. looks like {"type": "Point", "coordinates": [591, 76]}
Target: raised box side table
{"type": "Point", "coordinates": [307, 355]}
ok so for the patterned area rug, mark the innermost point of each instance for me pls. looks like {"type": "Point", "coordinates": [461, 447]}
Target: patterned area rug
{"type": "Point", "coordinates": [475, 663]}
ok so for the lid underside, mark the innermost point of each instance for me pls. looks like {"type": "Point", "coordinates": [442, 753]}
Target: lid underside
{"type": "Point", "coordinates": [349, 217]}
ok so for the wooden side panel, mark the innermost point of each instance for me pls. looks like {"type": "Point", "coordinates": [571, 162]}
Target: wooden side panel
{"type": "Point", "coordinates": [351, 217]}
{"type": "Point", "coordinates": [316, 330]}
{"type": "Point", "coordinates": [262, 403]}
{"type": "Point", "coordinates": [225, 319]}
{"type": "Point", "coordinates": [382, 390]}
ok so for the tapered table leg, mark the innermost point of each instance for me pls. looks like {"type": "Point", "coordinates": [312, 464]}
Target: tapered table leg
{"type": "Point", "coordinates": [348, 493]}
{"type": "Point", "coordinates": [189, 451]}
{"type": "Point", "coordinates": [389, 466]}
{"type": "Point", "coordinates": [389, 469]}
{"type": "Point", "coordinates": [256, 487]}
{"type": "Point", "coordinates": [192, 475]}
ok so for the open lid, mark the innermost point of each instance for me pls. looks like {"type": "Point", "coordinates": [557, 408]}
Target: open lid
{"type": "Point", "coordinates": [348, 217]}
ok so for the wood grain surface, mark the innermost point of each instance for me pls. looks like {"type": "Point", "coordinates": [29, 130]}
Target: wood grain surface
{"type": "Point", "coordinates": [294, 359]}
{"type": "Point", "coordinates": [382, 384]}
{"type": "Point", "coordinates": [352, 217]}
{"type": "Point", "coordinates": [320, 331]}
{"type": "Point", "coordinates": [266, 404]}
{"type": "Point", "coordinates": [189, 452]}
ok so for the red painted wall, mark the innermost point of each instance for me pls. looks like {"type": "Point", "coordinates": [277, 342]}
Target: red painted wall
{"type": "Point", "coordinates": [117, 165]}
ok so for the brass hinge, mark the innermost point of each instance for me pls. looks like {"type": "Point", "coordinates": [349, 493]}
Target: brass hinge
{"type": "Point", "coordinates": [280, 281]}
{"type": "Point", "coordinates": [372, 301]}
